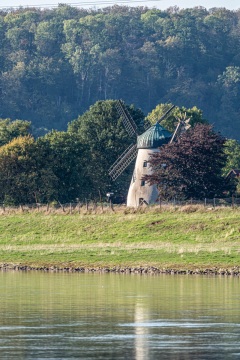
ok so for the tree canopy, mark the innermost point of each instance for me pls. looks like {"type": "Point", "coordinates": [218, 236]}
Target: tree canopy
{"type": "Point", "coordinates": [195, 115]}
{"type": "Point", "coordinates": [26, 174]}
{"type": "Point", "coordinates": [9, 130]}
{"type": "Point", "coordinates": [56, 63]}
{"type": "Point", "coordinates": [68, 165]}
{"type": "Point", "coordinates": [68, 161]}
{"type": "Point", "coordinates": [101, 130]}
{"type": "Point", "coordinates": [190, 167]}
{"type": "Point", "coordinates": [232, 150]}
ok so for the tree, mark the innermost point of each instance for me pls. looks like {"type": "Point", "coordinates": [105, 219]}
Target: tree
{"type": "Point", "coordinates": [194, 114]}
{"type": "Point", "coordinates": [229, 110]}
{"type": "Point", "coordinates": [232, 151]}
{"type": "Point", "coordinates": [70, 159]}
{"type": "Point", "coordinates": [56, 63]}
{"type": "Point", "coordinates": [25, 172]}
{"type": "Point", "coordinates": [101, 130]}
{"type": "Point", "coordinates": [53, 167]}
{"type": "Point", "coordinates": [192, 166]}
{"type": "Point", "coordinates": [12, 129]}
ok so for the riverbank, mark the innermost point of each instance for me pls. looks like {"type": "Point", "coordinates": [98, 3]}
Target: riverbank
{"type": "Point", "coordinates": [235, 271]}
{"type": "Point", "coordinates": [184, 240]}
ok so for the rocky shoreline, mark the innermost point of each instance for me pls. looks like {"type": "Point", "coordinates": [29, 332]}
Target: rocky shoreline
{"type": "Point", "coordinates": [234, 271]}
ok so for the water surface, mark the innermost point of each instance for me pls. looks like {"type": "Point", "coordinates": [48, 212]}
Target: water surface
{"type": "Point", "coordinates": [111, 316]}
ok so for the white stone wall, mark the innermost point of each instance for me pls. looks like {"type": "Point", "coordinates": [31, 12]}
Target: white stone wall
{"type": "Point", "coordinates": [138, 190]}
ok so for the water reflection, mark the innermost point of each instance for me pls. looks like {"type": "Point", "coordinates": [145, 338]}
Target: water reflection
{"type": "Point", "coordinates": [80, 316]}
{"type": "Point", "coordinates": [141, 331]}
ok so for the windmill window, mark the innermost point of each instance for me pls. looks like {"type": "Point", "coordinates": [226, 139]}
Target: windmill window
{"type": "Point", "coordinates": [145, 163]}
{"type": "Point", "coordinates": [142, 182]}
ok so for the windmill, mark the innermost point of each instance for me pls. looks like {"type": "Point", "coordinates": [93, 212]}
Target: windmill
{"type": "Point", "coordinates": [141, 149]}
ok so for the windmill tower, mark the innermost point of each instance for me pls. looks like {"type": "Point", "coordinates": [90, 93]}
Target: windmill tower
{"type": "Point", "coordinates": [145, 145]}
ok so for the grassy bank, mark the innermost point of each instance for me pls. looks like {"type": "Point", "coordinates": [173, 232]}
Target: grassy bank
{"type": "Point", "coordinates": [182, 238]}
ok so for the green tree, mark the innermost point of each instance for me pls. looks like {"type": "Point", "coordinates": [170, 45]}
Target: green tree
{"type": "Point", "coordinates": [56, 63]}
{"type": "Point", "coordinates": [69, 164]}
{"type": "Point", "coordinates": [229, 91]}
{"type": "Point", "coordinates": [232, 151]}
{"type": "Point", "coordinates": [169, 123]}
{"type": "Point", "coordinates": [25, 172]}
{"type": "Point", "coordinates": [102, 131]}
{"type": "Point", "coordinates": [12, 129]}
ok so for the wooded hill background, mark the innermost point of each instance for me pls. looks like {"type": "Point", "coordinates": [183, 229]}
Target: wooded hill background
{"type": "Point", "coordinates": [56, 63]}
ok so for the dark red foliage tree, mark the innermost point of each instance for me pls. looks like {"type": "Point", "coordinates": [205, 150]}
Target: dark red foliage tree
{"type": "Point", "coordinates": [190, 167]}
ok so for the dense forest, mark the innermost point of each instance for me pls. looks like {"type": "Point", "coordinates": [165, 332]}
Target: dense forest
{"type": "Point", "coordinates": [55, 63]}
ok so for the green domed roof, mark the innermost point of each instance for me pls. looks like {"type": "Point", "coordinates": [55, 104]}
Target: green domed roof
{"type": "Point", "coordinates": [154, 137]}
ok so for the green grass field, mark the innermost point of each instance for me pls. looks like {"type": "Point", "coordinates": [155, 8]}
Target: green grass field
{"type": "Point", "coordinates": [187, 237]}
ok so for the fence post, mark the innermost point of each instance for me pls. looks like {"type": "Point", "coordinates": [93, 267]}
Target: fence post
{"type": "Point", "coordinates": [111, 205]}
{"type": "Point", "coordinates": [205, 202]}
{"type": "Point", "coordinates": [100, 198]}
{"type": "Point", "coordinates": [232, 201]}
{"type": "Point", "coordinates": [214, 202]}
{"type": "Point", "coordinates": [62, 207]}
{"type": "Point", "coordinates": [86, 204]}
{"type": "Point", "coordinates": [70, 208]}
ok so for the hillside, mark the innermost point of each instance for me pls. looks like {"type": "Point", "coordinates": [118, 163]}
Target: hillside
{"type": "Point", "coordinates": [56, 63]}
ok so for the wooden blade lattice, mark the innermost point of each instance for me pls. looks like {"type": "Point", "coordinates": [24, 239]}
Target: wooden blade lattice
{"type": "Point", "coordinates": [123, 161]}
{"type": "Point", "coordinates": [128, 121]}
{"type": "Point", "coordinates": [165, 116]}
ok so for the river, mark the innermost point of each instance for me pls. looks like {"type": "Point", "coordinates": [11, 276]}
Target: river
{"type": "Point", "coordinates": [112, 316]}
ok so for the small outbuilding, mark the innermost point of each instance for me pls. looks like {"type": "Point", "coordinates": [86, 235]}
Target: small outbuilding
{"type": "Point", "coordinates": [234, 173]}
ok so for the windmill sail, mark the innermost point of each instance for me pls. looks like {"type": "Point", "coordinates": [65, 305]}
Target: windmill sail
{"type": "Point", "coordinates": [131, 152]}
{"type": "Point", "coordinates": [128, 121]}
{"type": "Point", "coordinates": [165, 116]}
{"type": "Point", "coordinates": [182, 126]}
{"type": "Point", "coordinates": [147, 124]}
{"type": "Point", "coordinates": [123, 161]}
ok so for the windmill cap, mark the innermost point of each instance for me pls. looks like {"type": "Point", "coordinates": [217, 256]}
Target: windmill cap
{"type": "Point", "coordinates": [154, 137]}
